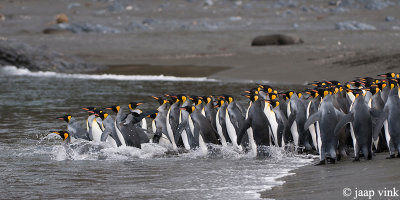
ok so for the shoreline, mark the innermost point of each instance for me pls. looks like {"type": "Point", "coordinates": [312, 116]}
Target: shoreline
{"type": "Point", "coordinates": [329, 181]}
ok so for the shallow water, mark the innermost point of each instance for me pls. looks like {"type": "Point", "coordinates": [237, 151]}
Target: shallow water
{"type": "Point", "coordinates": [36, 165]}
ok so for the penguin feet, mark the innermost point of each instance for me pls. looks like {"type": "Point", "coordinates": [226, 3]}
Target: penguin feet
{"type": "Point", "coordinates": [391, 156]}
{"type": "Point", "coordinates": [398, 155]}
{"type": "Point", "coordinates": [356, 159]}
{"type": "Point", "coordinates": [331, 160]}
{"type": "Point", "coordinates": [322, 162]}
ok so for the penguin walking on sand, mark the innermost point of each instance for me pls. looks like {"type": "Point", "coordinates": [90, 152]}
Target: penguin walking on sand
{"type": "Point", "coordinates": [74, 127]}
{"type": "Point", "coordinates": [361, 125]}
{"type": "Point", "coordinates": [328, 117]}
{"type": "Point", "coordinates": [390, 118]}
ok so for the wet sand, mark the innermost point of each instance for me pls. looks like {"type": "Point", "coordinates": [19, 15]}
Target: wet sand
{"type": "Point", "coordinates": [329, 181]}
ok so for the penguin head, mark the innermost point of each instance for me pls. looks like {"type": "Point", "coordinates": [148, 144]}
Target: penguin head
{"type": "Point", "coordinates": [272, 96]}
{"type": "Point", "coordinates": [196, 99]}
{"type": "Point", "coordinates": [207, 99]}
{"type": "Point", "coordinates": [252, 91]}
{"type": "Point", "coordinates": [273, 103]}
{"type": "Point", "coordinates": [89, 109]}
{"type": "Point", "coordinates": [134, 105]}
{"type": "Point", "coordinates": [335, 82]}
{"type": "Point", "coordinates": [288, 94]}
{"type": "Point", "coordinates": [357, 92]}
{"type": "Point", "coordinates": [181, 97]}
{"type": "Point", "coordinates": [189, 109]}
{"type": "Point", "coordinates": [373, 89]}
{"type": "Point", "coordinates": [228, 98]}
{"type": "Point", "coordinates": [66, 118]}
{"type": "Point", "coordinates": [114, 108]}
{"type": "Point", "coordinates": [392, 83]}
{"type": "Point", "coordinates": [252, 97]}
{"type": "Point", "coordinates": [323, 92]}
{"type": "Point", "coordinates": [220, 102]}
{"type": "Point", "coordinates": [266, 88]}
{"type": "Point", "coordinates": [389, 75]}
{"type": "Point", "coordinates": [159, 99]}
{"type": "Point", "coordinates": [312, 93]}
{"type": "Point", "coordinates": [381, 84]}
{"type": "Point", "coordinates": [152, 116]}
{"type": "Point", "coordinates": [63, 134]}
{"type": "Point", "coordinates": [103, 115]}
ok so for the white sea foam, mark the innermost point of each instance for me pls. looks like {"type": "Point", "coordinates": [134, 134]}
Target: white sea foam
{"type": "Point", "coordinates": [14, 71]}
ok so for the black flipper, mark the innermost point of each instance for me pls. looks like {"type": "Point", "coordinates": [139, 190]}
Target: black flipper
{"type": "Point", "coordinates": [379, 122]}
{"type": "Point", "coordinates": [345, 120]}
{"type": "Point", "coordinates": [311, 120]}
{"type": "Point", "coordinates": [291, 118]}
{"type": "Point", "coordinates": [181, 127]}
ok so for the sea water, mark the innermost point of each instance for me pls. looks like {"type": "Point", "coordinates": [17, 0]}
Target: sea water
{"type": "Point", "coordinates": [37, 165]}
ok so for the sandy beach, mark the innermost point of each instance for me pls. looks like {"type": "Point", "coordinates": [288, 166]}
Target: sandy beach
{"type": "Point", "coordinates": [215, 38]}
{"type": "Point", "coordinates": [341, 181]}
{"type": "Point", "coordinates": [212, 39]}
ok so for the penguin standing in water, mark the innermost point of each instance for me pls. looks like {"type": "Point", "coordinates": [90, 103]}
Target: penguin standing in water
{"type": "Point", "coordinates": [200, 128]}
{"type": "Point", "coordinates": [136, 112]}
{"type": "Point", "coordinates": [118, 122]}
{"type": "Point", "coordinates": [93, 128]}
{"type": "Point", "coordinates": [257, 122]}
{"type": "Point", "coordinates": [172, 120]}
{"type": "Point", "coordinates": [183, 117]}
{"type": "Point", "coordinates": [234, 119]}
{"type": "Point", "coordinates": [328, 117]}
{"type": "Point", "coordinates": [297, 118]}
{"type": "Point", "coordinates": [281, 122]}
{"type": "Point", "coordinates": [64, 135]}
{"type": "Point", "coordinates": [312, 108]}
{"type": "Point", "coordinates": [220, 122]}
{"type": "Point", "coordinates": [109, 130]}
{"type": "Point", "coordinates": [390, 117]}
{"type": "Point", "coordinates": [361, 125]}
{"type": "Point", "coordinates": [74, 128]}
{"type": "Point", "coordinates": [159, 126]}
{"type": "Point", "coordinates": [210, 111]}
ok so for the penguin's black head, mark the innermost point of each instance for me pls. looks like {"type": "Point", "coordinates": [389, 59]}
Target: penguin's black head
{"type": "Point", "coordinates": [252, 97]}
{"type": "Point", "coordinates": [392, 83]}
{"type": "Point", "coordinates": [134, 105]}
{"type": "Point", "coordinates": [90, 108]}
{"type": "Point", "coordinates": [181, 97]}
{"type": "Point", "coordinates": [382, 84]}
{"type": "Point", "coordinates": [357, 92]}
{"type": "Point", "coordinates": [159, 99]}
{"type": "Point", "coordinates": [288, 94]}
{"type": "Point", "coordinates": [189, 109]}
{"type": "Point", "coordinates": [266, 88]}
{"type": "Point", "coordinates": [389, 75]}
{"type": "Point", "coordinates": [274, 103]}
{"type": "Point", "coordinates": [66, 118]}
{"type": "Point", "coordinates": [312, 93]}
{"type": "Point", "coordinates": [272, 96]}
{"type": "Point", "coordinates": [114, 108]}
{"type": "Point", "coordinates": [228, 98]}
{"type": "Point", "coordinates": [207, 99]}
{"type": "Point", "coordinates": [335, 82]}
{"type": "Point", "coordinates": [103, 115]}
{"type": "Point", "coordinates": [323, 92]}
{"type": "Point", "coordinates": [373, 89]}
{"type": "Point", "coordinates": [63, 134]}
{"type": "Point", "coordinates": [152, 116]}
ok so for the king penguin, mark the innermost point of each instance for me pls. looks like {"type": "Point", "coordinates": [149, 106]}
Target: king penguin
{"type": "Point", "coordinates": [74, 127]}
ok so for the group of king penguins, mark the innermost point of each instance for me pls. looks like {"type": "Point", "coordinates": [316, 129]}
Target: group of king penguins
{"type": "Point", "coordinates": [328, 120]}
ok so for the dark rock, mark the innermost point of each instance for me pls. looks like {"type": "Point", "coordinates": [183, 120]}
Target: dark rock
{"type": "Point", "coordinates": [40, 59]}
{"type": "Point", "coordinates": [276, 39]}
{"type": "Point", "coordinates": [116, 6]}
